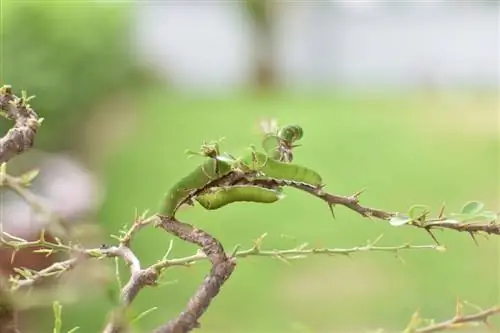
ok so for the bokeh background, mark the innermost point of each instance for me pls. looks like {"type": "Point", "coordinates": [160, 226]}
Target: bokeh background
{"type": "Point", "coordinates": [400, 98]}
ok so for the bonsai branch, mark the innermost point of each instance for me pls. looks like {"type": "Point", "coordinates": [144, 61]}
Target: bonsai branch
{"type": "Point", "coordinates": [26, 122]}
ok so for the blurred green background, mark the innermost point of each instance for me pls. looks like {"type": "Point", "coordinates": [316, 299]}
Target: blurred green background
{"type": "Point", "coordinates": [130, 127]}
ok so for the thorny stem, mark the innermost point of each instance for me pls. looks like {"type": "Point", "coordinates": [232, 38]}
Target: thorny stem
{"type": "Point", "coordinates": [352, 202]}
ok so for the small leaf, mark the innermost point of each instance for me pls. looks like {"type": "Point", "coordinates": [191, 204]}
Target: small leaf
{"type": "Point", "coordinates": [399, 220]}
{"type": "Point", "coordinates": [74, 329]}
{"type": "Point", "coordinates": [29, 176]}
{"type": "Point", "coordinates": [472, 207]}
{"type": "Point", "coordinates": [417, 211]}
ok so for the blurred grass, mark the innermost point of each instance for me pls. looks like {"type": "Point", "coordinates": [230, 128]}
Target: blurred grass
{"type": "Point", "coordinates": [406, 149]}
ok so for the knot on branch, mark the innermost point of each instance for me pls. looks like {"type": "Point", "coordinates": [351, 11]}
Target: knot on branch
{"type": "Point", "coordinates": [21, 137]}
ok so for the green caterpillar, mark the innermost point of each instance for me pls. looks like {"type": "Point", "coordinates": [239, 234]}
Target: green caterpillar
{"type": "Point", "coordinates": [271, 165]}
{"type": "Point", "coordinates": [212, 169]}
{"type": "Point", "coordinates": [199, 178]}
{"type": "Point", "coordinates": [222, 196]}
{"type": "Point", "coordinates": [271, 168]}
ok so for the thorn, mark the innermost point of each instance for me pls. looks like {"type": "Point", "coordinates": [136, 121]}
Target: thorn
{"type": "Point", "coordinates": [400, 258]}
{"type": "Point", "coordinates": [489, 325]}
{"type": "Point", "coordinates": [136, 214]}
{"type": "Point", "coordinates": [459, 309]}
{"type": "Point", "coordinates": [235, 251]}
{"type": "Point", "coordinates": [357, 194]}
{"type": "Point", "coordinates": [282, 258]}
{"type": "Point", "coordinates": [331, 210]}
{"type": "Point", "coordinates": [169, 249]}
{"type": "Point", "coordinates": [12, 257]}
{"type": "Point", "coordinates": [432, 235]}
{"type": "Point", "coordinates": [42, 235]}
{"type": "Point", "coordinates": [441, 211]}
{"type": "Point", "coordinates": [471, 234]}
{"type": "Point", "coordinates": [478, 308]}
{"type": "Point", "coordinates": [259, 240]}
{"type": "Point", "coordinates": [302, 246]}
{"type": "Point", "coordinates": [348, 255]}
{"type": "Point", "coordinates": [376, 240]}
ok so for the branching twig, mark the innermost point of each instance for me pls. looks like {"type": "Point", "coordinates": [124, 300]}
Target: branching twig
{"type": "Point", "coordinates": [139, 278]}
{"type": "Point", "coordinates": [20, 137]}
{"type": "Point", "coordinates": [222, 268]}
{"type": "Point", "coordinates": [458, 321]}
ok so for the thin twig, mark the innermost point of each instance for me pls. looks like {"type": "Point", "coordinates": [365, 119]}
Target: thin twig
{"type": "Point", "coordinates": [22, 136]}
{"type": "Point", "coordinates": [139, 278]}
{"type": "Point", "coordinates": [458, 321]}
{"type": "Point", "coordinates": [222, 268]}
{"type": "Point", "coordinates": [299, 252]}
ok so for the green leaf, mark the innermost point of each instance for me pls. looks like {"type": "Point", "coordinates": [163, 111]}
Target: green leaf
{"type": "Point", "coordinates": [417, 211]}
{"type": "Point", "coordinates": [472, 207]}
{"type": "Point", "coordinates": [399, 220]}
{"type": "Point", "coordinates": [74, 329]}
